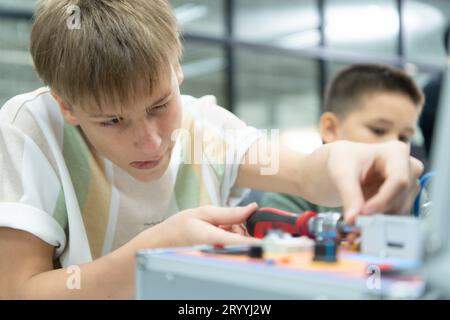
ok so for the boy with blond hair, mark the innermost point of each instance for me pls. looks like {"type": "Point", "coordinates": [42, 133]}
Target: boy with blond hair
{"type": "Point", "coordinates": [94, 165]}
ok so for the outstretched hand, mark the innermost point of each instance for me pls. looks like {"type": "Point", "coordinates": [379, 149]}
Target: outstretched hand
{"type": "Point", "coordinates": [377, 178]}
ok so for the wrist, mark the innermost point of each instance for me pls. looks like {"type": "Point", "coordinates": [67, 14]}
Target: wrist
{"type": "Point", "coordinates": [318, 184]}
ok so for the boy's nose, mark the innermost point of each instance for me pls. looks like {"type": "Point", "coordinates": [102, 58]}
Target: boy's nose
{"type": "Point", "coordinates": [147, 137]}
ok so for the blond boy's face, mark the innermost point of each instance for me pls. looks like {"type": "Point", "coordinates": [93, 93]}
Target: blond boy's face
{"type": "Point", "coordinates": [140, 141]}
{"type": "Point", "coordinates": [380, 117]}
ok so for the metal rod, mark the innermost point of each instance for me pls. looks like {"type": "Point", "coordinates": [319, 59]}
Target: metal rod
{"type": "Point", "coordinates": [328, 54]}
{"type": "Point", "coordinates": [322, 63]}
{"type": "Point", "coordinates": [16, 14]}
{"type": "Point", "coordinates": [230, 58]}
{"type": "Point", "coordinates": [401, 46]}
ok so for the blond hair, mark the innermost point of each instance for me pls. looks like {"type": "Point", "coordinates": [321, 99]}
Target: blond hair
{"type": "Point", "coordinates": [120, 50]}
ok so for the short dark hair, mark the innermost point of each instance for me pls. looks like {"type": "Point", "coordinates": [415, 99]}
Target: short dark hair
{"type": "Point", "coordinates": [352, 83]}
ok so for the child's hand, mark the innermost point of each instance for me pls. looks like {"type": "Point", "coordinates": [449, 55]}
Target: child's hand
{"type": "Point", "coordinates": [205, 225]}
{"type": "Point", "coordinates": [380, 178]}
{"type": "Point", "coordinates": [236, 228]}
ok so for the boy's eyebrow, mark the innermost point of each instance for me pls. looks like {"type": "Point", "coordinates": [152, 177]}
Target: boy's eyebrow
{"type": "Point", "coordinates": [388, 122]}
{"type": "Point", "coordinates": [383, 121]}
{"type": "Point", "coordinates": [164, 97]}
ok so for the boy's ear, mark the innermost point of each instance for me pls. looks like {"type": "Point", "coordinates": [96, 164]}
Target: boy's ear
{"type": "Point", "coordinates": [66, 110]}
{"type": "Point", "coordinates": [179, 73]}
{"type": "Point", "coordinates": [328, 127]}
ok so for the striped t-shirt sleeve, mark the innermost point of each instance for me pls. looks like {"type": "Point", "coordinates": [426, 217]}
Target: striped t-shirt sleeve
{"type": "Point", "coordinates": [29, 188]}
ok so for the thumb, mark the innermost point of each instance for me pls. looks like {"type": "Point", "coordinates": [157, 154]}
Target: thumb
{"type": "Point", "coordinates": [352, 198]}
{"type": "Point", "coordinates": [227, 216]}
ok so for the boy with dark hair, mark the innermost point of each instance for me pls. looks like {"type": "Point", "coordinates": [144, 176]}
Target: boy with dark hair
{"type": "Point", "coordinates": [366, 103]}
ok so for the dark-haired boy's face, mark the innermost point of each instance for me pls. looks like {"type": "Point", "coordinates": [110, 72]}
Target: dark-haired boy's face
{"type": "Point", "coordinates": [379, 117]}
{"type": "Point", "coordinates": [140, 141]}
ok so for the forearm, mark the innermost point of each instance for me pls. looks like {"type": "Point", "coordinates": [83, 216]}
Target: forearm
{"type": "Point", "coordinates": [28, 259]}
{"type": "Point", "coordinates": [315, 182]}
{"type": "Point", "coordinates": [284, 173]}
{"type": "Point", "coordinates": [297, 174]}
{"type": "Point", "coordinates": [109, 277]}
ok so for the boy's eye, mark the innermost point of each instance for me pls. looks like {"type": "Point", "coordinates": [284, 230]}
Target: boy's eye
{"type": "Point", "coordinates": [378, 131]}
{"type": "Point", "coordinates": [404, 139]}
{"type": "Point", "coordinates": [158, 108]}
{"type": "Point", "coordinates": [111, 123]}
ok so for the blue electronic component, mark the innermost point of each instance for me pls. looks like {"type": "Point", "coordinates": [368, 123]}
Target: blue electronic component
{"type": "Point", "coordinates": [325, 247]}
{"type": "Point", "coordinates": [424, 182]}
